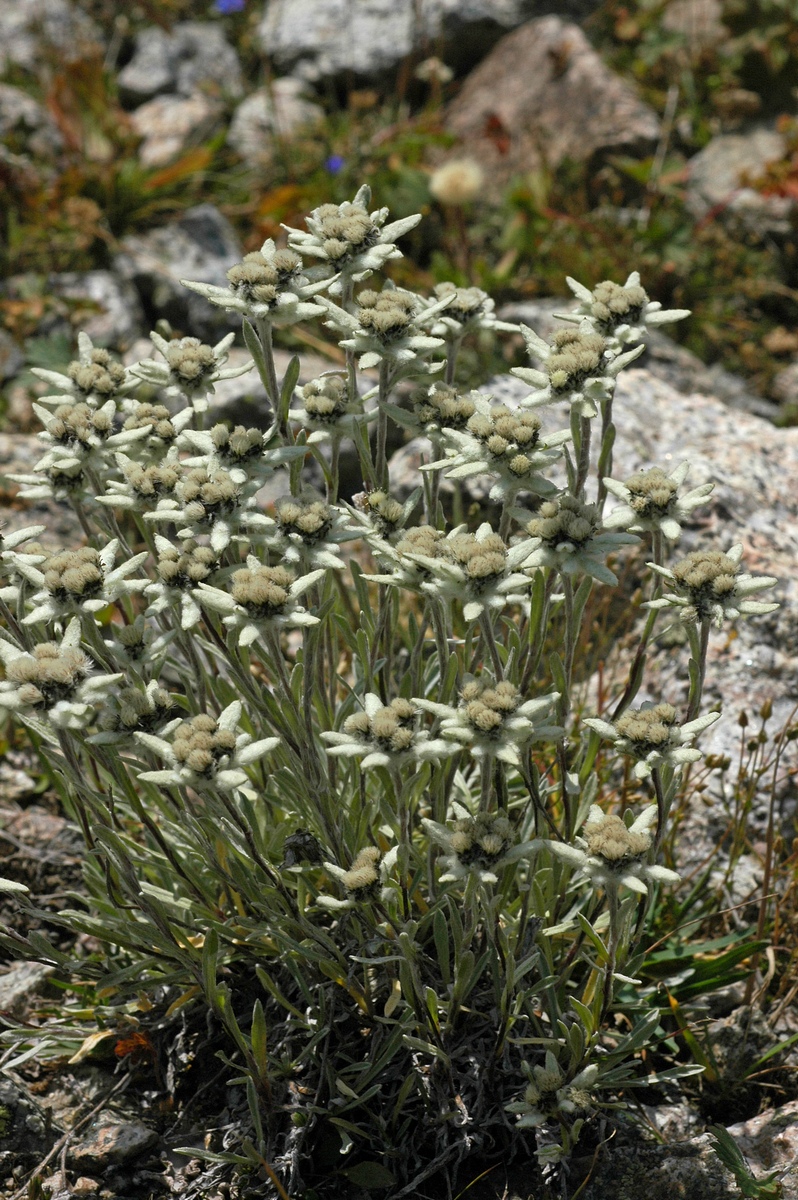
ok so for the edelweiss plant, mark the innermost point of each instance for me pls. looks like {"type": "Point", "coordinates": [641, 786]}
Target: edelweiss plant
{"type": "Point", "coordinates": [342, 811]}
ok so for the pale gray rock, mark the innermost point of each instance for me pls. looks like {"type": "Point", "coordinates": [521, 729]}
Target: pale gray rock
{"type": "Point", "coordinates": [31, 28]}
{"type": "Point", "coordinates": [25, 1129]}
{"type": "Point", "coordinates": [785, 386]}
{"type": "Point", "coordinates": [269, 115]}
{"type": "Point", "coordinates": [553, 98]}
{"type": "Point", "coordinates": [113, 316]}
{"type": "Point", "coordinates": [699, 21]}
{"type": "Point", "coordinates": [26, 123]}
{"type": "Point", "coordinates": [322, 38]}
{"type": "Point", "coordinates": [194, 56]}
{"type": "Point", "coordinates": [168, 124]}
{"type": "Point", "coordinates": [690, 1170]}
{"type": "Point", "coordinates": [720, 175]}
{"type": "Point", "coordinates": [19, 983]}
{"type": "Point", "coordinates": [202, 246]}
{"type": "Point", "coordinates": [111, 1141]}
{"type": "Point", "coordinates": [770, 1143]}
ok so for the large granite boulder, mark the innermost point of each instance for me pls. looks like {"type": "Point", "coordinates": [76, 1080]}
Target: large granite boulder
{"type": "Point", "coordinates": [323, 38]}
{"type": "Point", "coordinates": [544, 95]}
{"type": "Point", "coordinates": [201, 245]}
{"type": "Point", "coordinates": [29, 29]}
{"type": "Point", "coordinates": [720, 178]}
{"type": "Point", "coordinates": [269, 115]}
{"type": "Point", "coordinates": [193, 56]}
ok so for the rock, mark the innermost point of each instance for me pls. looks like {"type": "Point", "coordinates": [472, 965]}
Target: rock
{"type": "Point", "coordinates": [25, 125]}
{"type": "Point", "coordinates": [200, 245]}
{"type": "Point", "coordinates": [770, 1142]}
{"type": "Point", "coordinates": [784, 387]}
{"type": "Point", "coordinates": [11, 356]}
{"type": "Point", "coordinates": [699, 21]}
{"type": "Point", "coordinates": [28, 28]}
{"type": "Point", "coordinates": [111, 1141]}
{"type": "Point", "coordinates": [194, 56]}
{"type": "Point", "coordinates": [543, 95]}
{"type": "Point", "coordinates": [169, 123]}
{"type": "Point", "coordinates": [269, 114]}
{"type": "Point", "coordinates": [690, 1170]}
{"type": "Point", "coordinates": [323, 38]}
{"type": "Point", "coordinates": [113, 316]}
{"type": "Point", "coordinates": [718, 181]}
{"type": "Point", "coordinates": [20, 982]}
{"type": "Point", "coordinates": [24, 1128]}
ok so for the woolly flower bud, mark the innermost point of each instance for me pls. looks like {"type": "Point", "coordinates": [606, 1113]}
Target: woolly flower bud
{"type": "Point", "coordinates": [575, 357]}
{"type": "Point", "coordinates": [608, 838]}
{"type": "Point", "coordinates": [457, 182]}
{"type": "Point", "coordinates": [564, 520]}
{"type": "Point", "coordinates": [613, 305]}
{"type": "Point", "coordinates": [361, 879]}
{"type": "Point", "coordinates": [101, 375]}
{"type": "Point", "coordinates": [310, 519]}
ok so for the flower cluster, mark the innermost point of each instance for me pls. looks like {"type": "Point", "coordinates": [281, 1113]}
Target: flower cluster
{"type": "Point", "coordinates": [708, 586]}
{"type": "Point", "coordinates": [612, 853]}
{"type": "Point", "coordinates": [651, 735]}
{"type": "Point", "coordinates": [651, 501]}
{"type": "Point", "coordinates": [386, 735]}
{"type": "Point", "coordinates": [568, 537]}
{"type": "Point", "coordinates": [494, 720]}
{"type": "Point", "coordinates": [205, 752]}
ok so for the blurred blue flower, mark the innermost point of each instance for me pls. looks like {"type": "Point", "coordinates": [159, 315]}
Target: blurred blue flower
{"type": "Point", "coordinates": [225, 7]}
{"type": "Point", "coordinates": [334, 163]}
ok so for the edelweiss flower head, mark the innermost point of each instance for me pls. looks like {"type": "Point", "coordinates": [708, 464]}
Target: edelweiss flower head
{"type": "Point", "coordinates": [620, 313]}
{"type": "Point", "coordinates": [651, 501]}
{"type": "Point", "coordinates": [361, 879]}
{"type": "Point", "coordinates": [611, 852]}
{"type": "Point", "coordinates": [206, 752]}
{"type": "Point", "coordinates": [134, 710]}
{"type": "Point", "coordinates": [161, 426]}
{"type": "Point", "coordinates": [384, 515]}
{"type": "Point", "coordinates": [141, 486]}
{"type": "Point", "coordinates": [493, 720]}
{"type": "Point", "coordinates": [307, 531]}
{"type": "Point", "coordinates": [326, 411]}
{"type": "Point", "coordinates": [82, 580]}
{"type": "Point", "coordinates": [191, 368]}
{"type": "Point", "coordinates": [385, 735]}
{"type": "Point", "coordinates": [267, 286]}
{"type": "Point", "coordinates": [54, 679]}
{"type": "Point", "coordinates": [651, 735]}
{"type": "Point", "coordinates": [579, 366]}
{"type": "Point", "coordinates": [348, 238]}
{"type": "Point", "coordinates": [481, 845]}
{"type": "Point", "coordinates": [477, 569]}
{"type": "Point", "coordinates": [502, 442]}
{"type": "Point", "coordinates": [94, 377]}
{"type": "Point", "coordinates": [209, 500]}
{"type": "Point", "coordinates": [708, 587]}
{"type": "Point", "coordinates": [261, 598]}
{"type": "Point", "coordinates": [385, 328]}
{"type": "Point", "coordinates": [550, 1096]}
{"type": "Point", "coordinates": [571, 539]}
{"type": "Point", "coordinates": [468, 309]}
{"type": "Point", "coordinates": [178, 572]}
